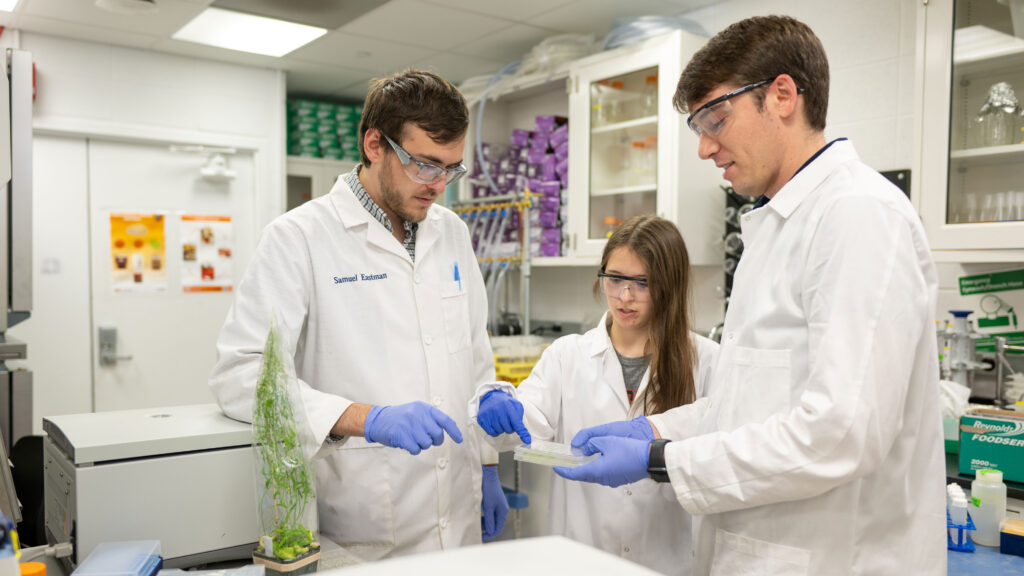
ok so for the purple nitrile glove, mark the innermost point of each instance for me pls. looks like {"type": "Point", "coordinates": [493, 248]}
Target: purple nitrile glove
{"type": "Point", "coordinates": [494, 505]}
{"type": "Point", "coordinates": [500, 413]}
{"type": "Point", "coordinates": [414, 426]}
{"type": "Point", "coordinates": [638, 428]}
{"type": "Point", "coordinates": [622, 461]}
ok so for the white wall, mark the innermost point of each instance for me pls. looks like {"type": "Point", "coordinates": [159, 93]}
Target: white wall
{"type": "Point", "coordinates": [89, 90]}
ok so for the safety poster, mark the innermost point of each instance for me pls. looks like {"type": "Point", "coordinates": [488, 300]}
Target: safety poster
{"type": "Point", "coordinates": [206, 243]}
{"type": "Point", "coordinates": [137, 252]}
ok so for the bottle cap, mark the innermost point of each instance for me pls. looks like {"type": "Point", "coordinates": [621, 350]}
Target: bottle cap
{"type": "Point", "coordinates": [638, 144]}
{"type": "Point", "coordinates": [990, 476]}
{"type": "Point", "coordinates": [652, 79]}
{"type": "Point", "coordinates": [33, 569]}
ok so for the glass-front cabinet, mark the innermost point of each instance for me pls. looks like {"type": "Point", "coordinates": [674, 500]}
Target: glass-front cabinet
{"type": "Point", "coordinates": [972, 162]}
{"type": "Point", "coordinates": [632, 152]}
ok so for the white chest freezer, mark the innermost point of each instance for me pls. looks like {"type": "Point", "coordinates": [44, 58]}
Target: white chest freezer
{"type": "Point", "coordinates": [183, 475]}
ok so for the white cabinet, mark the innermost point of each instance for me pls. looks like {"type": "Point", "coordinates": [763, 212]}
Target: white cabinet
{"type": "Point", "coordinates": [631, 153]}
{"type": "Point", "coordinates": [309, 178]}
{"type": "Point", "coordinates": [972, 178]}
{"type": "Point", "coordinates": [627, 155]}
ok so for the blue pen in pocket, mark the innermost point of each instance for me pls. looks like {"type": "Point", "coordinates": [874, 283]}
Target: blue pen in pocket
{"type": "Point", "coordinates": [456, 277]}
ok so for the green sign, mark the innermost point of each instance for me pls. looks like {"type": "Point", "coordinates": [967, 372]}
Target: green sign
{"type": "Point", "coordinates": [988, 343]}
{"type": "Point", "coordinates": [994, 282]}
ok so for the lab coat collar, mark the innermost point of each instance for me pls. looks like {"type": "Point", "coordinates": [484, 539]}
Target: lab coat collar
{"type": "Point", "coordinates": [354, 215]}
{"type": "Point", "coordinates": [789, 197]}
{"type": "Point", "coordinates": [603, 342]}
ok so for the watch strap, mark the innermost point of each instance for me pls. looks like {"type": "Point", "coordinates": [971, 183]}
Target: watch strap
{"type": "Point", "coordinates": [656, 464]}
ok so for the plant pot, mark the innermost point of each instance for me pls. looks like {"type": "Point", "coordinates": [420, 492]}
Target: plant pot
{"type": "Point", "coordinates": [275, 566]}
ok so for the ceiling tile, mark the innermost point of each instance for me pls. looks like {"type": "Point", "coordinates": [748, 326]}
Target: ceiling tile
{"type": "Point", "coordinates": [172, 15]}
{"type": "Point", "coordinates": [359, 52]}
{"type": "Point", "coordinates": [64, 29]}
{"type": "Point", "coordinates": [506, 45]}
{"type": "Point", "coordinates": [598, 16]}
{"type": "Point", "coordinates": [518, 11]}
{"type": "Point", "coordinates": [330, 15]}
{"type": "Point", "coordinates": [312, 79]}
{"type": "Point", "coordinates": [428, 25]}
{"type": "Point", "coordinates": [455, 67]}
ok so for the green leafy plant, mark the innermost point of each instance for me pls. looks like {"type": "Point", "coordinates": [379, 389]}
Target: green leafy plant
{"type": "Point", "coordinates": [277, 444]}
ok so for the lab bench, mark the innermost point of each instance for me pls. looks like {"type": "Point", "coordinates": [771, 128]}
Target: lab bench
{"type": "Point", "coordinates": [984, 561]}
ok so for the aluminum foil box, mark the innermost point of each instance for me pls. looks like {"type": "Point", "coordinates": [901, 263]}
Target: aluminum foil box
{"type": "Point", "coordinates": [992, 439]}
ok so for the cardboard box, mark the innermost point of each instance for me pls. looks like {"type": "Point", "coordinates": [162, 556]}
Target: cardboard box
{"type": "Point", "coordinates": [992, 439]}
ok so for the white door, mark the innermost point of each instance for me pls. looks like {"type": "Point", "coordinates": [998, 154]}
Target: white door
{"type": "Point", "coordinates": [165, 337]}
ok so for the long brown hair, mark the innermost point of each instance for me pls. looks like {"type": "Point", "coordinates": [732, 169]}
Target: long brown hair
{"type": "Point", "coordinates": [660, 247]}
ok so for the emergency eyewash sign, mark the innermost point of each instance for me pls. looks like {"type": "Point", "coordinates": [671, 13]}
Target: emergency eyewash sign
{"type": "Point", "coordinates": [994, 282]}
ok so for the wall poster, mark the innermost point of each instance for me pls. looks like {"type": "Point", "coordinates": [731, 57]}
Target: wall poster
{"type": "Point", "coordinates": [137, 252]}
{"type": "Point", "coordinates": [206, 243]}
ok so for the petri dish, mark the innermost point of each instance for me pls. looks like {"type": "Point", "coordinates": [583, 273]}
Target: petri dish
{"type": "Point", "coordinates": [550, 454]}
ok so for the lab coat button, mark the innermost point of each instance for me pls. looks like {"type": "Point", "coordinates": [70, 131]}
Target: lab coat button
{"type": "Point", "coordinates": [629, 492]}
{"type": "Point", "coordinates": [443, 523]}
{"type": "Point", "coordinates": [442, 462]}
{"type": "Point", "coordinates": [416, 278]}
{"type": "Point", "coordinates": [427, 339]}
{"type": "Point", "coordinates": [626, 549]}
{"type": "Point", "coordinates": [437, 400]}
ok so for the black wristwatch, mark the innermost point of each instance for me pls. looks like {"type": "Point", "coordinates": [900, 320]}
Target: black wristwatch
{"type": "Point", "coordinates": [656, 464]}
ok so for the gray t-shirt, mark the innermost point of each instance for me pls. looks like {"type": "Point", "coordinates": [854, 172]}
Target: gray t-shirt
{"type": "Point", "coordinates": [632, 373]}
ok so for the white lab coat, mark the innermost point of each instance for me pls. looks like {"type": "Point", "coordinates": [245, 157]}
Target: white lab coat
{"type": "Point", "coordinates": [578, 383]}
{"type": "Point", "coordinates": [821, 449]}
{"type": "Point", "coordinates": [367, 325]}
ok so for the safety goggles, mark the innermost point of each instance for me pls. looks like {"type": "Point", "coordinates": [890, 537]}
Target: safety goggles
{"type": "Point", "coordinates": [710, 118]}
{"type": "Point", "coordinates": [422, 172]}
{"type": "Point", "coordinates": [615, 286]}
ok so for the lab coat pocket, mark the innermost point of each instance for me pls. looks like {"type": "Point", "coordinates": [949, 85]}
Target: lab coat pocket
{"type": "Point", "coordinates": [738, 554]}
{"type": "Point", "coordinates": [455, 308]}
{"type": "Point", "coordinates": [355, 503]}
{"type": "Point", "coordinates": [757, 386]}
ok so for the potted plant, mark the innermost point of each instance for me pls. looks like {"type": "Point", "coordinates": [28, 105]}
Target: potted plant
{"type": "Point", "coordinates": [284, 479]}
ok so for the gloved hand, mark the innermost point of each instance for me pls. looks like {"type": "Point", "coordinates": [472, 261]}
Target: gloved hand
{"type": "Point", "coordinates": [495, 506]}
{"type": "Point", "coordinates": [414, 426]}
{"type": "Point", "coordinates": [500, 413]}
{"type": "Point", "coordinates": [638, 428]}
{"type": "Point", "coordinates": [622, 461]}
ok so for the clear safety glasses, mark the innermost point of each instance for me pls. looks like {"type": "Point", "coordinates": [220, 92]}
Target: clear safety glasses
{"type": "Point", "coordinates": [709, 118]}
{"type": "Point", "coordinates": [425, 173]}
{"type": "Point", "coordinates": [615, 286]}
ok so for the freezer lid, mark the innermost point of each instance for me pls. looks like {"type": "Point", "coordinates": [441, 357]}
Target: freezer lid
{"type": "Point", "coordinates": [149, 432]}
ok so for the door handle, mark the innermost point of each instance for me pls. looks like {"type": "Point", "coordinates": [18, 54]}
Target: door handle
{"type": "Point", "coordinates": [108, 346]}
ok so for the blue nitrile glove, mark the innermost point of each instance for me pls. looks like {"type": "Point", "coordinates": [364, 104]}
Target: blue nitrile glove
{"type": "Point", "coordinates": [638, 428]}
{"type": "Point", "coordinates": [414, 426]}
{"type": "Point", "coordinates": [500, 413]}
{"type": "Point", "coordinates": [622, 461]}
{"type": "Point", "coordinates": [495, 506]}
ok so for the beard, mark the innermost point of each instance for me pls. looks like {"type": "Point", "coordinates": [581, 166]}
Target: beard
{"type": "Point", "coordinates": [392, 198]}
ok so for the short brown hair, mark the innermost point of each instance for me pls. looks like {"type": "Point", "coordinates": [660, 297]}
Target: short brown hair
{"type": "Point", "coordinates": [659, 245]}
{"type": "Point", "coordinates": [757, 49]}
{"type": "Point", "coordinates": [423, 98]}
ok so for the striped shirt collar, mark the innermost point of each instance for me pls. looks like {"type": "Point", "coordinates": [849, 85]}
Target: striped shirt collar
{"type": "Point", "coordinates": [352, 179]}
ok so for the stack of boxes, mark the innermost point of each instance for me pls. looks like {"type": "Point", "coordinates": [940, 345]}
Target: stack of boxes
{"type": "Point", "coordinates": [537, 160]}
{"type": "Point", "coordinates": [324, 130]}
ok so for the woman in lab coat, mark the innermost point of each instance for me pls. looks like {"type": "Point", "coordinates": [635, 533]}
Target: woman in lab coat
{"type": "Point", "coordinates": [640, 359]}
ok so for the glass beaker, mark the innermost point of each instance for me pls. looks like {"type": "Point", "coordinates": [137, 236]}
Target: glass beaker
{"type": "Point", "coordinates": [999, 117]}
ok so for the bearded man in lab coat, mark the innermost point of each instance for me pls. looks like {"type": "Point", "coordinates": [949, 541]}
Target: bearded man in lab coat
{"type": "Point", "coordinates": [379, 291]}
{"type": "Point", "coordinates": [819, 450]}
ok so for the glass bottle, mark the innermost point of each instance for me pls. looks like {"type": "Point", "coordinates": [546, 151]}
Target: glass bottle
{"type": "Point", "coordinates": [999, 117]}
{"type": "Point", "coordinates": [616, 102]}
{"type": "Point", "coordinates": [649, 98]}
{"type": "Point", "coordinates": [598, 103]}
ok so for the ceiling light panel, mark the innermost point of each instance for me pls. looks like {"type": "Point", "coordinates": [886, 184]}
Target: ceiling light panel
{"type": "Point", "coordinates": [8, 5]}
{"type": "Point", "coordinates": [247, 33]}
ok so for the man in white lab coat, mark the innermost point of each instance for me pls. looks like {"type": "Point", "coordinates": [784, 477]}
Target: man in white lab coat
{"type": "Point", "coordinates": [819, 450]}
{"type": "Point", "coordinates": [379, 292]}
